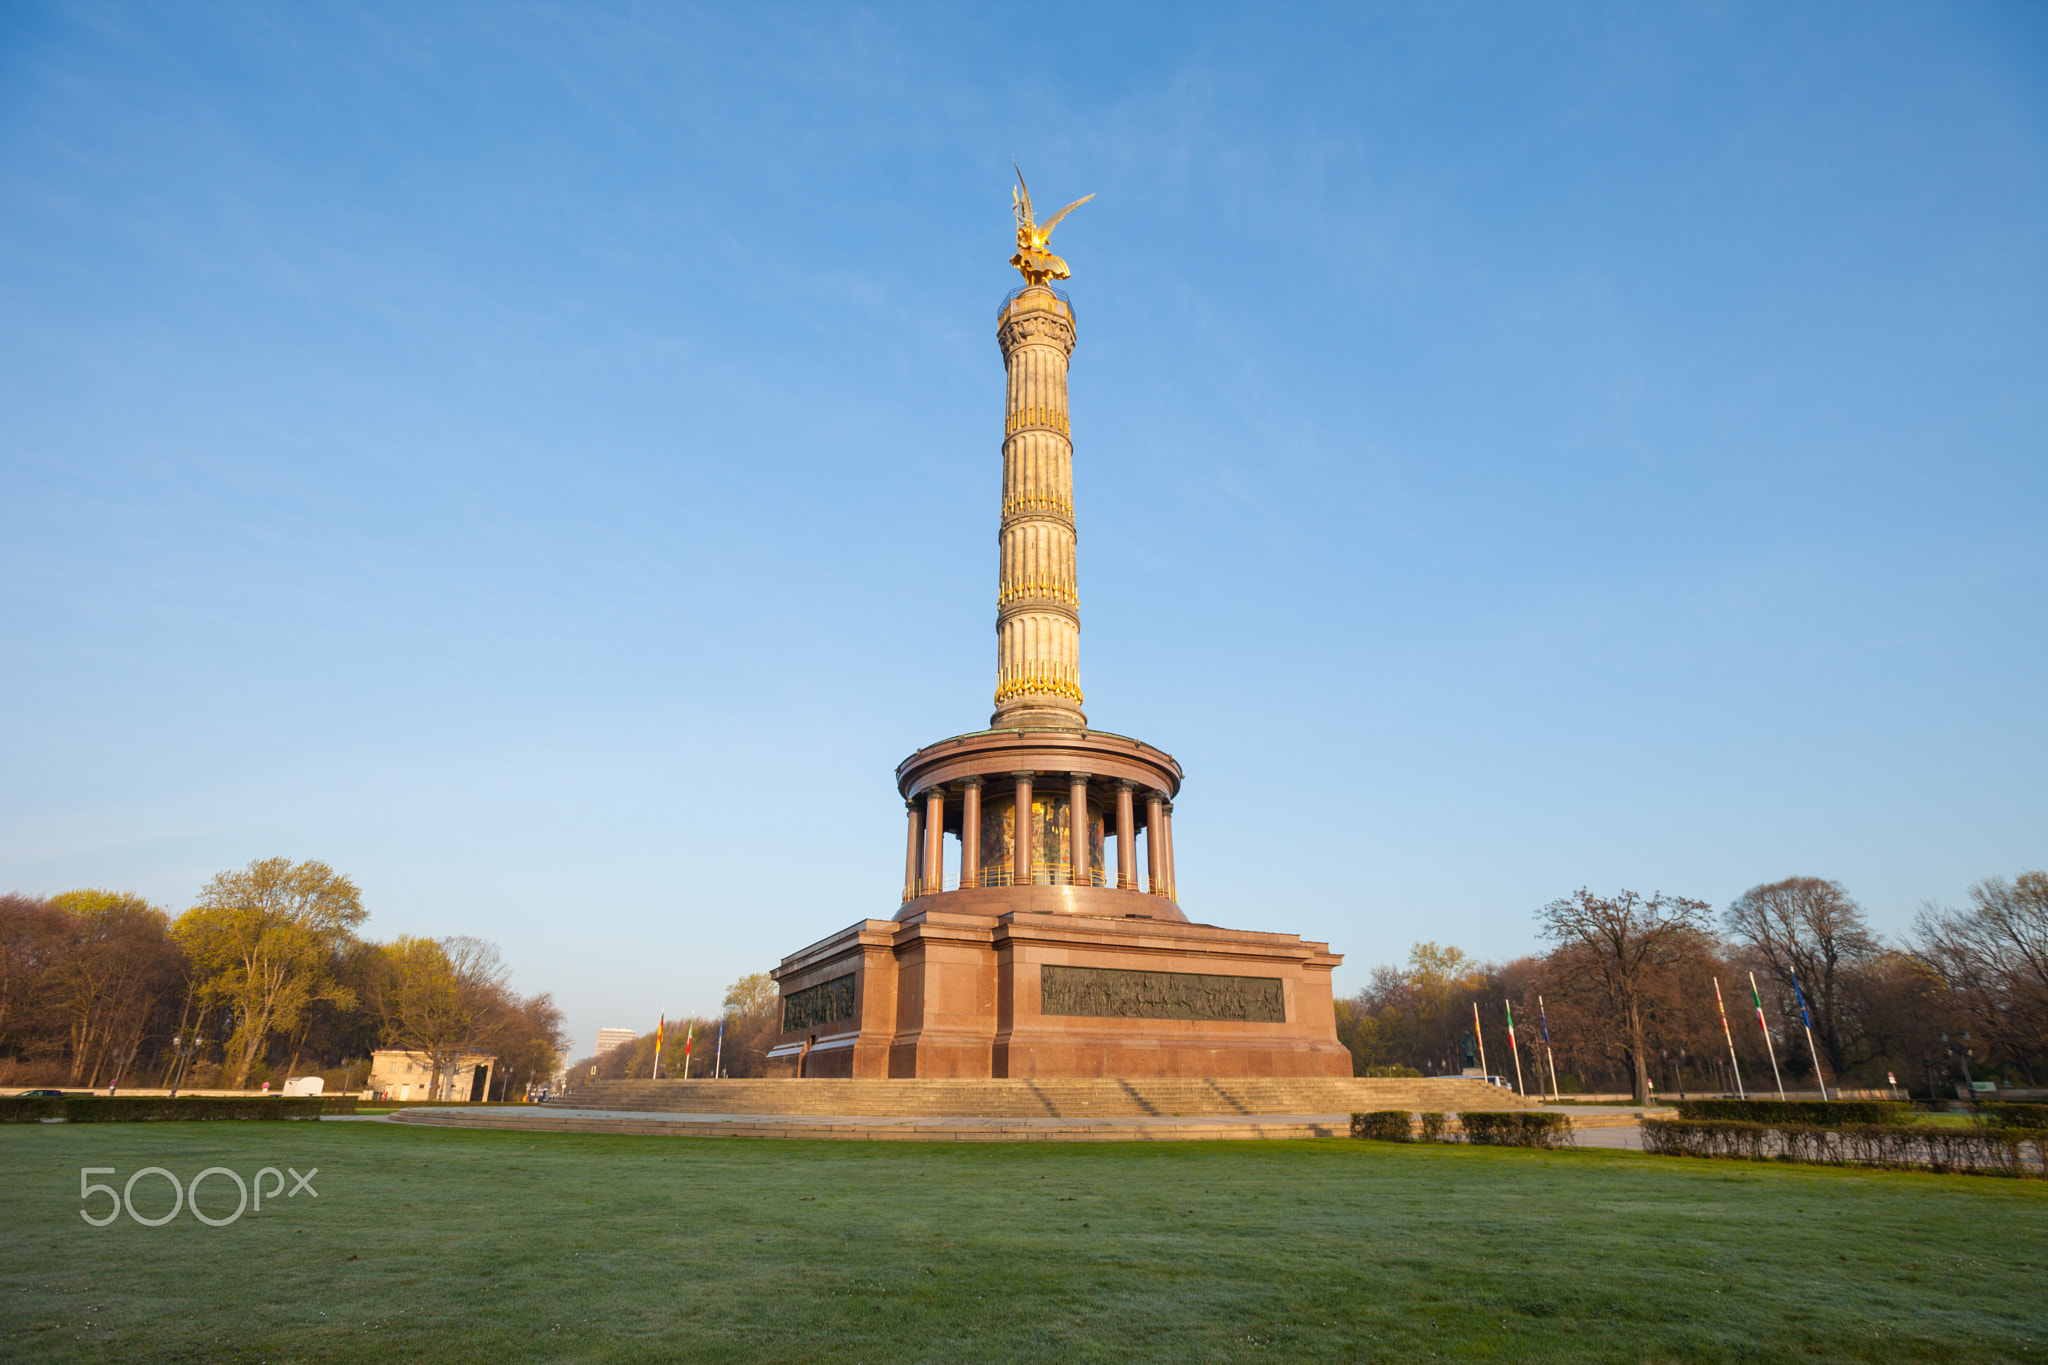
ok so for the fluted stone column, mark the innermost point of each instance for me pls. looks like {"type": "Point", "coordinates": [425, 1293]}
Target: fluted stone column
{"type": "Point", "coordinates": [1038, 604]}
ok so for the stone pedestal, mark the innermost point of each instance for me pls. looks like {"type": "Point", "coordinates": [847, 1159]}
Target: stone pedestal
{"type": "Point", "coordinates": [1022, 993]}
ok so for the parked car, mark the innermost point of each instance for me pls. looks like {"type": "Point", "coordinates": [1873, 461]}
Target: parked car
{"type": "Point", "coordinates": [39, 1095]}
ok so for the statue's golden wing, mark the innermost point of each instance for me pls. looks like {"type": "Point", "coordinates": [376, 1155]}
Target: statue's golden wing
{"type": "Point", "coordinates": [1046, 231]}
{"type": "Point", "coordinates": [1025, 194]}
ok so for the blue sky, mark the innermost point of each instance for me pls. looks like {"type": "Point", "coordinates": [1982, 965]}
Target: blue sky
{"type": "Point", "coordinates": [543, 459]}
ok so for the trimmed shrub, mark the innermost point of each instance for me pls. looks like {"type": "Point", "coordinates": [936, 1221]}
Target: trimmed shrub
{"type": "Point", "coordinates": [189, 1108]}
{"type": "Point", "coordinates": [1383, 1125]}
{"type": "Point", "coordinates": [1432, 1125]}
{"type": "Point", "coordinates": [22, 1109]}
{"type": "Point", "coordinates": [1811, 1113]}
{"type": "Point", "coordinates": [1978, 1151]}
{"type": "Point", "coordinates": [1993, 1114]}
{"type": "Point", "coordinates": [1490, 1128]}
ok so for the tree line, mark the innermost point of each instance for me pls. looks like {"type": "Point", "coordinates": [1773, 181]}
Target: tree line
{"type": "Point", "coordinates": [735, 1043]}
{"type": "Point", "coordinates": [1626, 990]}
{"type": "Point", "coordinates": [264, 977]}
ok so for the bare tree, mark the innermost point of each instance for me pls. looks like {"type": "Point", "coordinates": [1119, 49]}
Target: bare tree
{"type": "Point", "coordinates": [1809, 926]}
{"type": "Point", "coordinates": [33, 936]}
{"type": "Point", "coordinates": [1613, 949]}
{"type": "Point", "coordinates": [118, 963]}
{"type": "Point", "coordinates": [1994, 958]}
{"type": "Point", "coordinates": [530, 1045]}
{"type": "Point", "coordinates": [753, 1020]}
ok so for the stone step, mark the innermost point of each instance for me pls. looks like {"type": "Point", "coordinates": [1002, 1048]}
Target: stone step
{"type": "Point", "coordinates": [873, 1129]}
{"type": "Point", "coordinates": [1057, 1098]}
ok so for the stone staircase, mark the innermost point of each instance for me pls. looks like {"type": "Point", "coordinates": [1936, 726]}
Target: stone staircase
{"type": "Point", "coordinates": [1041, 1099]}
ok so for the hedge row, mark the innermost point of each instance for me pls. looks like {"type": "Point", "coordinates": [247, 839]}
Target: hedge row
{"type": "Point", "coordinates": [1523, 1129]}
{"type": "Point", "coordinates": [1993, 1114]}
{"type": "Point", "coordinates": [1483, 1127]}
{"type": "Point", "coordinates": [1384, 1125]}
{"type": "Point", "coordinates": [185, 1108]}
{"type": "Point", "coordinates": [1811, 1113]}
{"type": "Point", "coordinates": [1979, 1151]}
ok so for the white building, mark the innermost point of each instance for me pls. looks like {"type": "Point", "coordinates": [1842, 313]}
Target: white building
{"type": "Point", "coordinates": [609, 1038]}
{"type": "Point", "coordinates": [396, 1075]}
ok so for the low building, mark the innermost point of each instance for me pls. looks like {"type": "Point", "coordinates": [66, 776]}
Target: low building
{"type": "Point", "coordinates": [400, 1075]}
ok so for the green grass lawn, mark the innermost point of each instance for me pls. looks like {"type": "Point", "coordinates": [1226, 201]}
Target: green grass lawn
{"type": "Point", "coordinates": [446, 1245]}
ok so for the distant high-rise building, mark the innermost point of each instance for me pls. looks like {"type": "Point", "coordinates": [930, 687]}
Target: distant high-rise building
{"type": "Point", "coordinates": [609, 1038]}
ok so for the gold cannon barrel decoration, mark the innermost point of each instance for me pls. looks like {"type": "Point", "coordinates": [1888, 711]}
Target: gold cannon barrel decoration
{"type": "Point", "coordinates": [1042, 679]}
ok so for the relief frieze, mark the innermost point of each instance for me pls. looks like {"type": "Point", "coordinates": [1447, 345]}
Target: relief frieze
{"type": "Point", "coordinates": [820, 1004]}
{"type": "Point", "coordinates": [1107, 993]}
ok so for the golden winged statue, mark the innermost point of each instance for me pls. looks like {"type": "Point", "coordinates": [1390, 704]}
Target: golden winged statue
{"type": "Point", "coordinates": [1033, 261]}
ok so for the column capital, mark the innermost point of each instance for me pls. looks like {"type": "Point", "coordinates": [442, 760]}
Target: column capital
{"type": "Point", "coordinates": [936, 789]}
{"type": "Point", "coordinates": [1024, 774]}
{"type": "Point", "coordinates": [1077, 777]}
{"type": "Point", "coordinates": [973, 782]}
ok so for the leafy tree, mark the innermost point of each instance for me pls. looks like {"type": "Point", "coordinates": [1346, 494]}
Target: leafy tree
{"type": "Point", "coordinates": [441, 998]}
{"type": "Point", "coordinates": [1613, 951]}
{"type": "Point", "coordinates": [264, 942]}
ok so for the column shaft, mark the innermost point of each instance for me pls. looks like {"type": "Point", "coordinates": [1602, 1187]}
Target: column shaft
{"type": "Point", "coordinates": [1126, 839]}
{"type": "Point", "coordinates": [1020, 852]}
{"type": "Point", "coordinates": [970, 833]}
{"type": "Point", "coordinates": [914, 852]}
{"type": "Point", "coordinates": [1077, 826]}
{"type": "Point", "coordinates": [1155, 843]}
{"type": "Point", "coordinates": [1172, 887]}
{"type": "Point", "coordinates": [934, 839]}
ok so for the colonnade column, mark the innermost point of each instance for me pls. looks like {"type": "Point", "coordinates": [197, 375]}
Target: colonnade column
{"type": "Point", "coordinates": [915, 851]}
{"type": "Point", "coordinates": [1020, 853]}
{"type": "Point", "coordinates": [1155, 843]}
{"type": "Point", "coordinates": [1077, 826]}
{"type": "Point", "coordinates": [1126, 839]}
{"type": "Point", "coordinates": [935, 838]}
{"type": "Point", "coordinates": [1172, 887]}
{"type": "Point", "coordinates": [970, 832]}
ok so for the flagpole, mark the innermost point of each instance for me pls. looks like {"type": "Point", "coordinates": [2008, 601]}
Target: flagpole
{"type": "Point", "coordinates": [1740, 1092]}
{"type": "Point", "coordinates": [687, 1036]}
{"type": "Point", "coordinates": [1520, 1087]}
{"type": "Point", "coordinates": [718, 1058]}
{"type": "Point", "coordinates": [1480, 1037]}
{"type": "Point", "coordinates": [1769, 1046]}
{"type": "Point", "coordinates": [1818, 1078]}
{"type": "Point", "coordinates": [1543, 1018]}
{"type": "Point", "coordinates": [656, 1074]}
